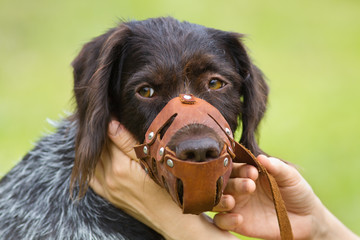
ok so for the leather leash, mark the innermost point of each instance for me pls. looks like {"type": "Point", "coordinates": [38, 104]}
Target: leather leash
{"type": "Point", "coordinates": [198, 186]}
{"type": "Point", "coordinates": [243, 155]}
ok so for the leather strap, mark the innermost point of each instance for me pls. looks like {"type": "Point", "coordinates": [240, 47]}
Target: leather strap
{"type": "Point", "coordinates": [243, 155]}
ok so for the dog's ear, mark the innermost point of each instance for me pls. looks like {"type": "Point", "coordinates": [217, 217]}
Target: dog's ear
{"type": "Point", "coordinates": [254, 91]}
{"type": "Point", "coordinates": [93, 69]}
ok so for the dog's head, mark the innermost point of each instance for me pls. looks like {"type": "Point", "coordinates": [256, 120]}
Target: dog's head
{"type": "Point", "coordinates": [133, 70]}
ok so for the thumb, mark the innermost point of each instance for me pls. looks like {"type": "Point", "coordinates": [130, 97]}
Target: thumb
{"type": "Point", "coordinates": [285, 174]}
{"type": "Point", "coordinates": [122, 138]}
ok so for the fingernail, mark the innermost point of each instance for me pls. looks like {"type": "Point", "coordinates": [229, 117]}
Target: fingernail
{"type": "Point", "coordinates": [273, 161]}
{"type": "Point", "coordinates": [234, 220]}
{"type": "Point", "coordinates": [223, 201]}
{"type": "Point", "coordinates": [114, 128]}
{"type": "Point", "coordinates": [262, 156]}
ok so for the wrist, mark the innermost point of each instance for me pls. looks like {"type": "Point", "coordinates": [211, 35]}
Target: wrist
{"type": "Point", "coordinates": [165, 217]}
{"type": "Point", "coordinates": [195, 227]}
{"type": "Point", "coordinates": [172, 224]}
{"type": "Point", "coordinates": [327, 226]}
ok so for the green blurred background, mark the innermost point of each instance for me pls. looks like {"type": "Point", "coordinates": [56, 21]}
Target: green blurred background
{"type": "Point", "coordinates": [309, 51]}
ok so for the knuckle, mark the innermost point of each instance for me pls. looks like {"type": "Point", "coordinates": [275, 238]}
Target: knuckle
{"type": "Point", "coordinates": [112, 180]}
{"type": "Point", "coordinates": [118, 170]}
{"type": "Point", "coordinates": [111, 183]}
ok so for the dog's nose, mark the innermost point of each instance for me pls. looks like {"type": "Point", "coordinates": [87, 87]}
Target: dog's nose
{"type": "Point", "coordinates": [198, 150]}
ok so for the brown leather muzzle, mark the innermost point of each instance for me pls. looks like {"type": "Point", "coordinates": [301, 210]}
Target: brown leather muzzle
{"type": "Point", "coordinates": [194, 186]}
{"type": "Point", "coordinates": [198, 186]}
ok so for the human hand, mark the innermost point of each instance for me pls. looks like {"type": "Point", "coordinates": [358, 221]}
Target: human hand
{"type": "Point", "coordinates": [254, 214]}
{"type": "Point", "coordinates": [121, 180]}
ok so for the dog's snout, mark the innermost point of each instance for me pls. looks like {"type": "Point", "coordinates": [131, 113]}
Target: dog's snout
{"type": "Point", "coordinates": [196, 142]}
{"type": "Point", "coordinates": [198, 150]}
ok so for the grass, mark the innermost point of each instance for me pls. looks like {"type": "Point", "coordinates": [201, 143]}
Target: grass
{"type": "Point", "coordinates": [309, 51]}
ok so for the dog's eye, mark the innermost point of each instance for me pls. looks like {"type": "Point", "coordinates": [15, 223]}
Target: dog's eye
{"type": "Point", "coordinates": [215, 84]}
{"type": "Point", "coordinates": [146, 92]}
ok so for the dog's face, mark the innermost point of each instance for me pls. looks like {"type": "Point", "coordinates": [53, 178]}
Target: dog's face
{"type": "Point", "coordinates": [132, 71]}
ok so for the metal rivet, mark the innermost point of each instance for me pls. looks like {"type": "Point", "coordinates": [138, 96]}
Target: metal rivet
{"type": "Point", "coordinates": [187, 97]}
{"type": "Point", "coordinates": [145, 150]}
{"type": "Point", "coordinates": [226, 162]}
{"type": "Point", "coordinates": [151, 135]}
{"type": "Point", "coordinates": [170, 163]}
{"type": "Point", "coordinates": [161, 151]}
{"type": "Point", "coordinates": [228, 132]}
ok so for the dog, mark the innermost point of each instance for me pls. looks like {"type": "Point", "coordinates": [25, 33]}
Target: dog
{"type": "Point", "coordinates": [128, 73]}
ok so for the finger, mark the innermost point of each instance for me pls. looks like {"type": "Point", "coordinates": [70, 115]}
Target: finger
{"type": "Point", "coordinates": [228, 221]}
{"type": "Point", "coordinates": [241, 170]}
{"type": "Point", "coordinates": [119, 163]}
{"type": "Point", "coordinates": [284, 174]}
{"type": "Point", "coordinates": [238, 186]}
{"type": "Point", "coordinates": [227, 202]}
{"type": "Point", "coordinates": [122, 138]}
